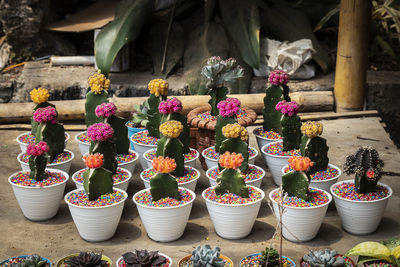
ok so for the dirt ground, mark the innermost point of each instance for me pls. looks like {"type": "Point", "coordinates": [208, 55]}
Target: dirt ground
{"type": "Point", "coordinates": [58, 237]}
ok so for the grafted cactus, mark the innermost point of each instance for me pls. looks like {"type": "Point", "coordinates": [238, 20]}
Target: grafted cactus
{"type": "Point", "coordinates": [367, 166]}
{"type": "Point", "coordinates": [295, 183]}
{"type": "Point", "coordinates": [228, 110]}
{"type": "Point", "coordinates": [39, 96]}
{"type": "Point", "coordinates": [269, 258]}
{"type": "Point", "coordinates": [158, 92]}
{"type": "Point", "coordinates": [207, 257]}
{"type": "Point", "coordinates": [163, 184]}
{"type": "Point", "coordinates": [324, 258]}
{"type": "Point", "coordinates": [291, 132]}
{"type": "Point", "coordinates": [97, 95]}
{"type": "Point", "coordinates": [37, 160]}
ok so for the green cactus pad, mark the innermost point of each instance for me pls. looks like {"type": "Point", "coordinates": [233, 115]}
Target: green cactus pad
{"type": "Point", "coordinates": [92, 101]}
{"type": "Point", "coordinates": [54, 136]}
{"type": "Point", "coordinates": [217, 95]}
{"type": "Point", "coordinates": [221, 122]}
{"type": "Point", "coordinates": [291, 133]}
{"type": "Point", "coordinates": [163, 185]}
{"type": "Point", "coordinates": [154, 116]}
{"type": "Point", "coordinates": [231, 181]}
{"type": "Point", "coordinates": [295, 184]}
{"type": "Point", "coordinates": [185, 135]}
{"type": "Point", "coordinates": [271, 116]}
{"type": "Point", "coordinates": [108, 149]}
{"type": "Point", "coordinates": [316, 149]}
{"type": "Point", "coordinates": [120, 136]}
{"type": "Point", "coordinates": [172, 148]}
{"type": "Point", "coordinates": [37, 165]}
{"type": "Point", "coordinates": [238, 146]}
{"type": "Point", "coordinates": [97, 182]}
{"type": "Point", "coordinates": [35, 124]}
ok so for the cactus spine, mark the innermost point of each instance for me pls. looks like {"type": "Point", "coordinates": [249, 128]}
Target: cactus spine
{"type": "Point", "coordinates": [163, 184]}
{"type": "Point", "coordinates": [295, 183]}
{"type": "Point", "coordinates": [97, 181]}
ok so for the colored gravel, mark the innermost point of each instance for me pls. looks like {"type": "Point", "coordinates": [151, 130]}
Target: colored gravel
{"type": "Point", "coordinates": [267, 134]}
{"type": "Point", "coordinates": [253, 173]}
{"type": "Point", "coordinates": [63, 157]}
{"type": "Point", "coordinates": [187, 157]}
{"type": "Point", "coordinates": [276, 150]}
{"type": "Point", "coordinates": [212, 154]}
{"type": "Point", "coordinates": [317, 198]}
{"type": "Point", "coordinates": [22, 178]}
{"type": "Point", "coordinates": [347, 262]}
{"type": "Point", "coordinates": [379, 264]}
{"type": "Point", "coordinates": [143, 138]}
{"type": "Point", "coordinates": [207, 115]}
{"type": "Point", "coordinates": [329, 173]}
{"type": "Point", "coordinates": [79, 198]}
{"type": "Point", "coordinates": [122, 263]}
{"type": "Point", "coordinates": [190, 174]}
{"type": "Point", "coordinates": [124, 158]}
{"type": "Point", "coordinates": [348, 191]}
{"type": "Point", "coordinates": [232, 199]}
{"type": "Point", "coordinates": [256, 260]}
{"type": "Point", "coordinates": [119, 177]}
{"type": "Point", "coordinates": [29, 138]}
{"type": "Point", "coordinates": [145, 199]}
{"type": "Point", "coordinates": [83, 137]}
{"type": "Point", "coordinates": [13, 262]}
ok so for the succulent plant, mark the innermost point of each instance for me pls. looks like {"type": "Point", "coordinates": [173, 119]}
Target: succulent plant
{"type": "Point", "coordinates": [33, 260]}
{"type": "Point", "coordinates": [143, 258]}
{"type": "Point", "coordinates": [295, 183]}
{"type": "Point", "coordinates": [269, 257]}
{"type": "Point", "coordinates": [291, 124]}
{"type": "Point", "coordinates": [39, 96]}
{"type": "Point", "coordinates": [86, 259]}
{"type": "Point", "coordinates": [99, 84]}
{"type": "Point", "coordinates": [158, 92]}
{"type": "Point", "coordinates": [367, 166]}
{"type": "Point", "coordinates": [207, 257]}
{"type": "Point", "coordinates": [228, 110]}
{"type": "Point", "coordinates": [163, 184]}
{"type": "Point", "coordinates": [37, 160]}
{"type": "Point", "coordinates": [324, 258]}
{"type": "Point", "coordinates": [140, 117]}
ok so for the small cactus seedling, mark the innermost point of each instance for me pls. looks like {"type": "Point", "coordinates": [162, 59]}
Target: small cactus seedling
{"type": "Point", "coordinates": [101, 135]}
{"type": "Point", "coordinates": [170, 145]}
{"type": "Point", "coordinates": [228, 110]}
{"type": "Point", "coordinates": [367, 166]}
{"type": "Point", "coordinates": [143, 258]}
{"type": "Point", "coordinates": [163, 184]}
{"type": "Point", "coordinates": [324, 258]}
{"type": "Point", "coordinates": [37, 160]}
{"type": "Point", "coordinates": [90, 259]}
{"type": "Point", "coordinates": [97, 95]}
{"type": "Point", "coordinates": [218, 72]}
{"type": "Point", "coordinates": [314, 146]}
{"type": "Point", "coordinates": [269, 258]}
{"type": "Point", "coordinates": [39, 97]}
{"type": "Point", "coordinates": [295, 183]}
{"type": "Point", "coordinates": [291, 124]}
{"type": "Point", "coordinates": [277, 91]}
{"type": "Point", "coordinates": [236, 141]}
{"type": "Point", "coordinates": [207, 257]}
{"type": "Point", "coordinates": [158, 92]}
{"type": "Point", "coordinates": [230, 180]}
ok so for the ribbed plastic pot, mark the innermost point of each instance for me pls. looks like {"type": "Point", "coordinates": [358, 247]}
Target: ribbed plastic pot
{"type": "Point", "coordinates": [130, 166]}
{"type": "Point", "coordinates": [83, 147]}
{"type": "Point", "coordinates": [256, 182]}
{"type": "Point", "coordinates": [141, 149]}
{"type": "Point", "coordinates": [360, 217]}
{"type": "Point", "coordinates": [257, 254]}
{"type": "Point", "coordinates": [164, 224]}
{"type": "Point", "coordinates": [275, 164]}
{"type": "Point", "coordinates": [24, 146]}
{"type": "Point", "coordinates": [60, 263]}
{"type": "Point", "coordinates": [39, 203]}
{"type": "Point", "coordinates": [301, 222]}
{"type": "Point", "coordinates": [322, 184]}
{"type": "Point", "coordinates": [119, 264]}
{"type": "Point", "coordinates": [262, 141]}
{"type": "Point", "coordinates": [132, 131]}
{"type": "Point", "coordinates": [182, 261]}
{"type": "Point", "coordinates": [233, 221]}
{"type": "Point", "coordinates": [62, 166]}
{"type": "Point", "coordinates": [190, 163]}
{"type": "Point", "coordinates": [96, 224]}
{"type": "Point", "coordinates": [4, 263]}
{"type": "Point", "coordinates": [210, 162]}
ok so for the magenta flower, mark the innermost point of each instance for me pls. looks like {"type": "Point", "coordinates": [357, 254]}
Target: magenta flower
{"type": "Point", "coordinates": [170, 105]}
{"type": "Point", "coordinates": [105, 110]}
{"type": "Point", "coordinates": [287, 108]}
{"type": "Point", "coordinates": [45, 115]}
{"type": "Point", "coordinates": [228, 107]}
{"type": "Point", "coordinates": [278, 77]}
{"type": "Point", "coordinates": [100, 132]}
{"type": "Point", "coordinates": [37, 149]}
{"type": "Point", "coordinates": [233, 100]}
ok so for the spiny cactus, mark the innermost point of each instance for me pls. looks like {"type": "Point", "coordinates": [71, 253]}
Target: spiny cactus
{"type": "Point", "coordinates": [37, 160]}
{"type": "Point", "coordinates": [367, 166]}
{"type": "Point", "coordinates": [39, 96]}
{"type": "Point", "coordinates": [314, 146]}
{"type": "Point", "coordinates": [218, 72]}
{"type": "Point", "coordinates": [269, 258]}
{"type": "Point", "coordinates": [291, 132]}
{"type": "Point", "coordinates": [163, 184]}
{"type": "Point", "coordinates": [207, 257]}
{"type": "Point", "coordinates": [228, 110]}
{"type": "Point", "coordinates": [97, 181]}
{"type": "Point", "coordinates": [324, 258]}
{"type": "Point", "coordinates": [277, 91]}
{"type": "Point", "coordinates": [143, 258]}
{"type": "Point", "coordinates": [97, 95]}
{"type": "Point", "coordinates": [295, 183]}
{"type": "Point", "coordinates": [158, 92]}
{"type": "Point", "coordinates": [87, 259]}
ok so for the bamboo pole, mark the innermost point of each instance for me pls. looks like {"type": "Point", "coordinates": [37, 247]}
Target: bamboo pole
{"type": "Point", "coordinates": [351, 63]}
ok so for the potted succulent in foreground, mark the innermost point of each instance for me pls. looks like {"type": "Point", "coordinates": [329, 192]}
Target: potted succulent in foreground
{"type": "Point", "coordinates": [33, 260]}
{"type": "Point", "coordinates": [364, 197]}
{"type": "Point", "coordinates": [325, 258]}
{"type": "Point", "coordinates": [39, 190]}
{"type": "Point", "coordinates": [85, 259]}
{"type": "Point", "coordinates": [307, 205]}
{"type": "Point", "coordinates": [144, 258]}
{"type": "Point", "coordinates": [205, 256]}
{"type": "Point", "coordinates": [267, 258]}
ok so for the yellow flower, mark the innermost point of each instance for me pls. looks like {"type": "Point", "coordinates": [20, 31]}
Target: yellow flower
{"type": "Point", "coordinates": [158, 87]}
{"type": "Point", "coordinates": [171, 129]}
{"type": "Point", "coordinates": [311, 128]}
{"type": "Point", "coordinates": [235, 130]}
{"type": "Point", "coordinates": [98, 82]}
{"type": "Point", "coordinates": [39, 95]}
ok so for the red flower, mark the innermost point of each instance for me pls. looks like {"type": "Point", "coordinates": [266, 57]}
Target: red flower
{"type": "Point", "coordinates": [370, 173]}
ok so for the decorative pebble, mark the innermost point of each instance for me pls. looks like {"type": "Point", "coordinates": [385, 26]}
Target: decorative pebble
{"type": "Point", "coordinates": [348, 191]}
{"type": "Point", "coordinates": [145, 199]}
{"type": "Point", "coordinates": [83, 137]}
{"type": "Point", "coordinates": [347, 262]}
{"type": "Point", "coordinates": [378, 264]}
{"type": "Point", "coordinates": [329, 173]}
{"type": "Point", "coordinates": [190, 174]}
{"type": "Point", "coordinates": [133, 125]}
{"type": "Point", "coordinates": [29, 138]}
{"type": "Point", "coordinates": [119, 177]}
{"type": "Point", "coordinates": [79, 198]}
{"type": "Point", "coordinates": [255, 260]}
{"type": "Point", "coordinates": [144, 139]}
{"type": "Point", "coordinates": [212, 154]}
{"type": "Point", "coordinates": [122, 263]}
{"type": "Point", "coordinates": [16, 261]}
{"type": "Point", "coordinates": [59, 159]}
{"type": "Point", "coordinates": [267, 134]}
{"type": "Point", "coordinates": [276, 150]}
{"type": "Point", "coordinates": [22, 178]}
{"type": "Point", "coordinates": [317, 198]}
{"type": "Point", "coordinates": [187, 157]}
{"type": "Point", "coordinates": [232, 199]}
{"type": "Point", "coordinates": [252, 173]}
{"type": "Point", "coordinates": [207, 115]}
{"type": "Point", "coordinates": [124, 158]}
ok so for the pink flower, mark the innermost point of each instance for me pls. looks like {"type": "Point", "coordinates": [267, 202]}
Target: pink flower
{"type": "Point", "coordinates": [278, 77]}
{"type": "Point", "coordinates": [287, 108]}
{"type": "Point", "coordinates": [105, 110]}
{"type": "Point", "coordinates": [45, 115]}
{"type": "Point", "coordinates": [233, 100]}
{"type": "Point", "coordinates": [170, 105]}
{"type": "Point", "coordinates": [37, 149]}
{"type": "Point", "coordinates": [228, 107]}
{"type": "Point", "coordinates": [370, 173]}
{"type": "Point", "coordinates": [100, 132]}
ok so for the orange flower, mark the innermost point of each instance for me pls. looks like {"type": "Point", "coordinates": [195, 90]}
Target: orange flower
{"type": "Point", "coordinates": [300, 164]}
{"type": "Point", "coordinates": [231, 161]}
{"type": "Point", "coordinates": [94, 161]}
{"type": "Point", "coordinates": [164, 165]}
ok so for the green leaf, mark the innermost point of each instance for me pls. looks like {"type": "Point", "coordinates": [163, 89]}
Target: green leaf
{"type": "Point", "coordinates": [326, 18]}
{"type": "Point", "coordinates": [370, 249]}
{"type": "Point", "coordinates": [126, 27]}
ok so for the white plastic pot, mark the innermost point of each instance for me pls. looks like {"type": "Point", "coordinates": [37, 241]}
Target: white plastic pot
{"type": "Point", "coordinates": [233, 221]}
{"type": "Point", "coordinates": [159, 253]}
{"type": "Point", "coordinates": [96, 224]}
{"type": "Point", "coordinates": [141, 149]}
{"type": "Point", "coordinates": [275, 164]}
{"type": "Point", "coordinates": [149, 162]}
{"type": "Point", "coordinates": [360, 217]}
{"type": "Point", "coordinates": [325, 184]}
{"type": "Point", "coordinates": [300, 222]}
{"type": "Point", "coordinates": [214, 162]}
{"type": "Point", "coordinates": [256, 183]}
{"type": "Point", "coordinates": [121, 185]}
{"type": "Point", "coordinates": [39, 203]}
{"type": "Point", "coordinates": [62, 166]}
{"type": "Point", "coordinates": [24, 146]}
{"type": "Point", "coordinates": [130, 166]}
{"type": "Point", "coordinates": [83, 147]}
{"type": "Point", "coordinates": [262, 141]}
{"type": "Point", "coordinates": [164, 224]}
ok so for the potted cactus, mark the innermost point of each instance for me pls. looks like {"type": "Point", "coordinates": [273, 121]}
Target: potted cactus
{"type": "Point", "coordinates": [205, 256]}
{"type": "Point", "coordinates": [233, 206]}
{"type": "Point", "coordinates": [97, 202]}
{"type": "Point", "coordinates": [138, 121]}
{"type": "Point", "coordinates": [277, 153]}
{"type": "Point", "coordinates": [267, 258]}
{"type": "Point", "coordinates": [325, 258]}
{"type": "Point", "coordinates": [85, 259]}
{"type": "Point", "coordinates": [277, 91]}
{"type": "Point", "coordinates": [164, 208]}
{"type": "Point", "coordinates": [307, 205]}
{"type": "Point", "coordinates": [363, 197]}
{"type": "Point", "coordinates": [33, 260]}
{"type": "Point", "coordinates": [38, 190]}
{"type": "Point", "coordinates": [144, 258]}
